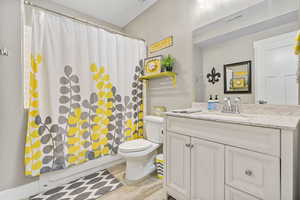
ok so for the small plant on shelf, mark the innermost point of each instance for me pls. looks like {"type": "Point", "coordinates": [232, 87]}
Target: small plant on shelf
{"type": "Point", "coordinates": [168, 63]}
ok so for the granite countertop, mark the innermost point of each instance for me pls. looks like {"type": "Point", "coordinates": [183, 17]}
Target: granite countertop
{"type": "Point", "coordinates": [283, 120]}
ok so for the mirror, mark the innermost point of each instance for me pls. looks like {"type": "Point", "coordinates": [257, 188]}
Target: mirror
{"type": "Point", "coordinates": [259, 68]}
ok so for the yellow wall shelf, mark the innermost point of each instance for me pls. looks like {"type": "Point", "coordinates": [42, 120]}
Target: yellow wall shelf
{"type": "Point", "coordinates": [172, 75]}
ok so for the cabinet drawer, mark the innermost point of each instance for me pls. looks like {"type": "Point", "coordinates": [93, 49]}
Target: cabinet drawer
{"type": "Point", "coordinates": [264, 140]}
{"type": "Point", "coordinates": [232, 194]}
{"type": "Point", "coordinates": [254, 173]}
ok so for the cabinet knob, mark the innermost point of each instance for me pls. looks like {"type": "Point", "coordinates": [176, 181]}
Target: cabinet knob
{"type": "Point", "coordinates": [248, 172]}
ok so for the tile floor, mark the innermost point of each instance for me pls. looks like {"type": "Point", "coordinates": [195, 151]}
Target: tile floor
{"type": "Point", "coordinates": [149, 189]}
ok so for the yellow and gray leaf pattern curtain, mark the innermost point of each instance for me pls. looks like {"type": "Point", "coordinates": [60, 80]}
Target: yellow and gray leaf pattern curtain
{"type": "Point", "coordinates": [297, 52]}
{"type": "Point", "coordinates": [85, 93]}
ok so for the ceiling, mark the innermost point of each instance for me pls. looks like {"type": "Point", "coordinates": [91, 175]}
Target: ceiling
{"type": "Point", "coordinates": [117, 12]}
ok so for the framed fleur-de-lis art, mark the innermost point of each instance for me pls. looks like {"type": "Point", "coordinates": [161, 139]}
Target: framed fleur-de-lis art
{"type": "Point", "coordinates": [214, 76]}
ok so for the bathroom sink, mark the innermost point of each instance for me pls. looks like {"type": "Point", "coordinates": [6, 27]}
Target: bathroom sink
{"type": "Point", "coordinates": [220, 115]}
{"type": "Point", "coordinates": [213, 114]}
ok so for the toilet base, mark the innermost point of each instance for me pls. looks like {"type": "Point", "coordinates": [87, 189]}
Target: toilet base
{"type": "Point", "coordinates": [128, 182]}
{"type": "Point", "coordinates": [139, 167]}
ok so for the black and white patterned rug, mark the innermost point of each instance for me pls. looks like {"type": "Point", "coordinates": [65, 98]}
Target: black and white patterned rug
{"type": "Point", "coordinates": [89, 187]}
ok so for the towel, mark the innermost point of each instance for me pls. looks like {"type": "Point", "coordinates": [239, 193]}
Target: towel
{"type": "Point", "coordinates": [187, 111]}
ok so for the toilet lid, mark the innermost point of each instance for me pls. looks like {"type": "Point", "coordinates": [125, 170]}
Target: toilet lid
{"type": "Point", "coordinates": [135, 145]}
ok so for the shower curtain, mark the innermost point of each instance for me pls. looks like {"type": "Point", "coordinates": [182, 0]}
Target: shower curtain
{"type": "Point", "coordinates": [297, 52]}
{"type": "Point", "coordinates": [85, 93]}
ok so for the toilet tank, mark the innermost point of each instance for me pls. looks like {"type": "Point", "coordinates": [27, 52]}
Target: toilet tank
{"type": "Point", "coordinates": [154, 127]}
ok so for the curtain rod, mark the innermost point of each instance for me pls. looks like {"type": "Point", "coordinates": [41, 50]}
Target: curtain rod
{"type": "Point", "coordinates": [28, 3]}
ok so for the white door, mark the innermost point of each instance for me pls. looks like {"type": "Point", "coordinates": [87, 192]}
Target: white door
{"type": "Point", "coordinates": [275, 70]}
{"type": "Point", "coordinates": [207, 170]}
{"type": "Point", "coordinates": [178, 166]}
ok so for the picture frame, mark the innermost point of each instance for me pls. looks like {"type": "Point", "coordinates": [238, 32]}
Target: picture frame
{"type": "Point", "coordinates": [152, 65]}
{"type": "Point", "coordinates": [160, 45]}
{"type": "Point", "coordinates": [238, 78]}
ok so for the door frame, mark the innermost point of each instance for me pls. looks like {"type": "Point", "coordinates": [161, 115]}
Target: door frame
{"type": "Point", "coordinates": [259, 47]}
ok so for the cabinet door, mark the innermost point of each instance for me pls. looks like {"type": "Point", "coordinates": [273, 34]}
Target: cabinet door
{"type": "Point", "coordinates": [178, 166]}
{"type": "Point", "coordinates": [207, 170]}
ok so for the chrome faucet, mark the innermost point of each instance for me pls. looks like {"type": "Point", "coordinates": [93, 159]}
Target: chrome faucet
{"type": "Point", "coordinates": [227, 108]}
{"type": "Point", "coordinates": [230, 107]}
{"type": "Point", "coordinates": [237, 102]}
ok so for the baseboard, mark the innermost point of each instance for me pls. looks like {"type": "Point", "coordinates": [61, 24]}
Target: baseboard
{"type": "Point", "coordinates": [54, 179]}
{"type": "Point", "coordinates": [21, 192]}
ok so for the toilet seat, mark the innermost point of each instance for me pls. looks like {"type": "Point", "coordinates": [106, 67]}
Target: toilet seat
{"type": "Point", "coordinates": [135, 146]}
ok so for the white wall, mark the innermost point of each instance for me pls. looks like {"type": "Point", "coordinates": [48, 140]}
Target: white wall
{"type": "Point", "coordinates": [233, 51]}
{"type": "Point", "coordinates": [165, 18]}
{"type": "Point", "coordinates": [12, 118]}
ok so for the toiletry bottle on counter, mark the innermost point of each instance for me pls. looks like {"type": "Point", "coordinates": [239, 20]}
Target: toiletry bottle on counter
{"type": "Point", "coordinates": [216, 102]}
{"type": "Point", "coordinates": [210, 103]}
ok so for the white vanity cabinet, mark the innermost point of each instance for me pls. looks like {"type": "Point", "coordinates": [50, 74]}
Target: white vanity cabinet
{"type": "Point", "coordinates": [207, 160]}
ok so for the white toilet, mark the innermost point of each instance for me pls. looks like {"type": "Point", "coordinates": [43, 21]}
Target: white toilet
{"type": "Point", "coordinates": [140, 154]}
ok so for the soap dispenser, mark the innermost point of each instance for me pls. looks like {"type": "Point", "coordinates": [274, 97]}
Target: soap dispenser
{"type": "Point", "coordinates": [210, 103]}
{"type": "Point", "coordinates": [216, 102]}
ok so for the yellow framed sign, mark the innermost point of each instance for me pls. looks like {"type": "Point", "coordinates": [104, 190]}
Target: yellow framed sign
{"type": "Point", "coordinates": [238, 83]}
{"type": "Point", "coordinates": [165, 43]}
{"type": "Point", "coordinates": [152, 65]}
